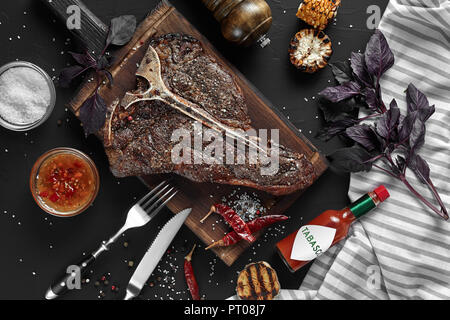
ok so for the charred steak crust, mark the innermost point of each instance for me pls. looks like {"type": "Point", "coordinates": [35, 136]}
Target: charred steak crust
{"type": "Point", "coordinates": [140, 137]}
{"type": "Point", "coordinates": [188, 72]}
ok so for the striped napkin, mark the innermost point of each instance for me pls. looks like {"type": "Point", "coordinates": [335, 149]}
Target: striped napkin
{"type": "Point", "coordinates": [402, 250]}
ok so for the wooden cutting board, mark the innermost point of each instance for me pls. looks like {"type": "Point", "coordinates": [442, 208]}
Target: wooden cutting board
{"type": "Point", "coordinates": [200, 196]}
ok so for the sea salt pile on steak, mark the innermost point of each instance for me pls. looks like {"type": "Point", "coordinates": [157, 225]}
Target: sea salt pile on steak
{"type": "Point", "coordinates": [140, 136]}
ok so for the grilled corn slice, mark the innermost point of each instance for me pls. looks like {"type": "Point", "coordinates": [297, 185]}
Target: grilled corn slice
{"type": "Point", "coordinates": [310, 50]}
{"type": "Point", "coordinates": [318, 13]}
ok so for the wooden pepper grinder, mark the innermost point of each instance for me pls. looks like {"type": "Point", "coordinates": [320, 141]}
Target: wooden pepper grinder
{"type": "Point", "coordinates": [243, 22]}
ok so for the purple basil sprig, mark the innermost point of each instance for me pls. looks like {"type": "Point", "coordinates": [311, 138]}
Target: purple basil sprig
{"type": "Point", "coordinates": [391, 141]}
{"type": "Point", "coordinates": [93, 110]}
{"type": "Point", "coordinates": [359, 87]}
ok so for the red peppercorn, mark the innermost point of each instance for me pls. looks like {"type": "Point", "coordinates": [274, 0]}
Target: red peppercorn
{"type": "Point", "coordinates": [130, 118]}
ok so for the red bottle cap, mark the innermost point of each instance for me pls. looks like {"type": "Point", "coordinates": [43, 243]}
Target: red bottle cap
{"type": "Point", "coordinates": [381, 193]}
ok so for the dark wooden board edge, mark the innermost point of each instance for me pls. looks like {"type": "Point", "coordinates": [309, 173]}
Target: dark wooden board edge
{"type": "Point", "coordinates": [148, 26]}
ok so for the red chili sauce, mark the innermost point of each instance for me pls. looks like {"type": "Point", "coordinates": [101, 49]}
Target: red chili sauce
{"type": "Point", "coordinates": [65, 182]}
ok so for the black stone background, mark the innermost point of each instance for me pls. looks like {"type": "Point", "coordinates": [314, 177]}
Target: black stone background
{"type": "Point", "coordinates": [35, 247]}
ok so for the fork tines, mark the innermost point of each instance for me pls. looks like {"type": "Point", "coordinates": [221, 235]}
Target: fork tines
{"type": "Point", "coordinates": [160, 196]}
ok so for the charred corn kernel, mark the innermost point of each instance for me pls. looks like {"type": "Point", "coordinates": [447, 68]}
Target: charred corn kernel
{"type": "Point", "coordinates": [310, 50]}
{"type": "Point", "coordinates": [318, 13]}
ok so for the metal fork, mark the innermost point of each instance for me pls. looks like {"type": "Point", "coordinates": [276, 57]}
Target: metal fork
{"type": "Point", "coordinates": [139, 215]}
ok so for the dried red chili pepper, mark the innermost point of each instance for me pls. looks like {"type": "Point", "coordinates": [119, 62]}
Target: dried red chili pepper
{"type": "Point", "coordinates": [254, 226]}
{"type": "Point", "coordinates": [233, 219]}
{"type": "Point", "coordinates": [190, 277]}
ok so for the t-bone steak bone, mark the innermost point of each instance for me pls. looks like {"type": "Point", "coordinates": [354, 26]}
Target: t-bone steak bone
{"type": "Point", "coordinates": [138, 138]}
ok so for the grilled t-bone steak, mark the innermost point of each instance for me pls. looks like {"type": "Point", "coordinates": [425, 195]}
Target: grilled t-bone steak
{"type": "Point", "coordinates": [138, 138]}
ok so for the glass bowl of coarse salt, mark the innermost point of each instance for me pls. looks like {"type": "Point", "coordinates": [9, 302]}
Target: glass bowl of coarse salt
{"type": "Point", "coordinates": [27, 96]}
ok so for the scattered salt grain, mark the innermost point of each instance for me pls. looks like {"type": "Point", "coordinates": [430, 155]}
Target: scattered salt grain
{"type": "Point", "coordinates": [245, 205]}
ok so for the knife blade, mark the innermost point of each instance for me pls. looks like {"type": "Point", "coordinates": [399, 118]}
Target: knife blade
{"type": "Point", "coordinates": [154, 253]}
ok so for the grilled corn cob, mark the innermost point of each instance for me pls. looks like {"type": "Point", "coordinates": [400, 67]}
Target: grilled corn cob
{"type": "Point", "coordinates": [310, 50]}
{"type": "Point", "coordinates": [318, 13]}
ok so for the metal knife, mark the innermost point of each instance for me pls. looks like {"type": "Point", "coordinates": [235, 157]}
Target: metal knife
{"type": "Point", "coordinates": [155, 253]}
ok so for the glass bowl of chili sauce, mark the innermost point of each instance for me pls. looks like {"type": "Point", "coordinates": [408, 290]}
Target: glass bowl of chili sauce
{"type": "Point", "coordinates": [64, 182]}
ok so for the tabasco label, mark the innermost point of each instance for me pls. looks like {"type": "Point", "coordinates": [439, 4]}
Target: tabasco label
{"type": "Point", "coordinates": [311, 241]}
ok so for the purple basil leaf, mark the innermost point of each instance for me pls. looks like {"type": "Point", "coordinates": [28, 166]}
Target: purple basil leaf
{"type": "Point", "coordinates": [335, 128]}
{"type": "Point", "coordinates": [83, 59]}
{"type": "Point", "coordinates": [328, 132]}
{"type": "Point", "coordinates": [364, 135]}
{"type": "Point", "coordinates": [337, 111]}
{"type": "Point", "coordinates": [342, 92]}
{"type": "Point", "coordinates": [393, 104]}
{"type": "Point", "coordinates": [121, 30]}
{"type": "Point", "coordinates": [426, 112]}
{"type": "Point", "coordinates": [415, 99]}
{"type": "Point", "coordinates": [93, 114]}
{"type": "Point", "coordinates": [405, 127]}
{"type": "Point", "coordinates": [417, 135]}
{"type": "Point", "coordinates": [359, 68]}
{"type": "Point", "coordinates": [388, 122]}
{"type": "Point", "coordinates": [353, 159]}
{"type": "Point", "coordinates": [341, 71]}
{"type": "Point", "coordinates": [378, 56]}
{"type": "Point", "coordinates": [68, 74]}
{"type": "Point", "coordinates": [371, 98]}
{"type": "Point", "coordinates": [420, 167]}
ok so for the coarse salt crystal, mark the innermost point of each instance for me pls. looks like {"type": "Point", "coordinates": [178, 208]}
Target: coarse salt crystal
{"type": "Point", "coordinates": [24, 95]}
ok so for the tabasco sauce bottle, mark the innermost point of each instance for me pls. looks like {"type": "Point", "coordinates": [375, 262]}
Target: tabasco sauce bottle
{"type": "Point", "coordinates": [314, 238]}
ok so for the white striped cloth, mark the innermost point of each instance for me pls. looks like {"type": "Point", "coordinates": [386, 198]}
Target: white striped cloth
{"type": "Point", "coordinates": [402, 249]}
